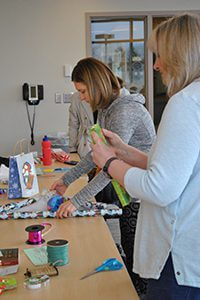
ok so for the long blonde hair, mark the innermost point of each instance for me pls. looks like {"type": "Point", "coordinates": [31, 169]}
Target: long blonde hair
{"type": "Point", "coordinates": [177, 43]}
{"type": "Point", "coordinates": [102, 85]}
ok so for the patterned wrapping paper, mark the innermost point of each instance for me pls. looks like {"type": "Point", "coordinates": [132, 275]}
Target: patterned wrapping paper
{"type": "Point", "coordinates": [9, 207]}
{"type": "Point", "coordinates": [11, 210]}
{"type": "Point", "coordinates": [49, 214]}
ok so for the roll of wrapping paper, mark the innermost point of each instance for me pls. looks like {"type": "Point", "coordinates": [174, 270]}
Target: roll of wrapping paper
{"type": "Point", "coordinates": [120, 191]}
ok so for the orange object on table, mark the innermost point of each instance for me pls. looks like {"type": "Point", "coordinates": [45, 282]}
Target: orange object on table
{"type": "Point", "coordinates": [60, 155]}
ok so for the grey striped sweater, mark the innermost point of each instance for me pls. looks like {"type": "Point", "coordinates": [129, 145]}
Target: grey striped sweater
{"type": "Point", "coordinates": [127, 117]}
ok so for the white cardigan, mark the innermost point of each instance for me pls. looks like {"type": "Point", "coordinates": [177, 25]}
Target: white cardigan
{"type": "Point", "coordinates": [80, 120]}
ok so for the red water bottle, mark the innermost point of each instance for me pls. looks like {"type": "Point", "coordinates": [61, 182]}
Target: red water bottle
{"type": "Point", "coordinates": [46, 151]}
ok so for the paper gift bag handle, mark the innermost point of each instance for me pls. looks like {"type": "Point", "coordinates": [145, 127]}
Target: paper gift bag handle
{"type": "Point", "coordinates": [46, 230]}
{"type": "Point", "coordinates": [20, 146]}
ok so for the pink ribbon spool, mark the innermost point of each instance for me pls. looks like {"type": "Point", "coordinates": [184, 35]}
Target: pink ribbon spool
{"type": "Point", "coordinates": [35, 233]}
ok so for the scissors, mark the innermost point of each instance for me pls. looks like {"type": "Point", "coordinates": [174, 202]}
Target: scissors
{"type": "Point", "coordinates": [111, 264]}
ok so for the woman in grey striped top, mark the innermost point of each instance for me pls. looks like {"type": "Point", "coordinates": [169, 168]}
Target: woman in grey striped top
{"type": "Point", "coordinates": [122, 114]}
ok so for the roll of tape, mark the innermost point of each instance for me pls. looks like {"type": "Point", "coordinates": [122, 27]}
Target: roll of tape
{"type": "Point", "coordinates": [36, 282]}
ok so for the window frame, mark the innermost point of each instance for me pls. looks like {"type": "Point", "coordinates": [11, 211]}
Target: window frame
{"type": "Point", "coordinates": [130, 39]}
{"type": "Point", "coordinates": [148, 23]}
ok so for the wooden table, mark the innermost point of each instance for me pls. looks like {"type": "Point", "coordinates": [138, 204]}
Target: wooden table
{"type": "Point", "coordinates": [90, 243]}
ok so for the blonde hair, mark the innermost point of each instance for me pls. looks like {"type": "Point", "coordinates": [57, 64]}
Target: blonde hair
{"type": "Point", "coordinates": [177, 43]}
{"type": "Point", "coordinates": [102, 85]}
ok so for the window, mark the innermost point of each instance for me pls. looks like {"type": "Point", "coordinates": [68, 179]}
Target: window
{"type": "Point", "coordinates": [120, 44]}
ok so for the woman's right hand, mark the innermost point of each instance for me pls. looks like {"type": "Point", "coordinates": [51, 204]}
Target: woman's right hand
{"type": "Point", "coordinates": [59, 187]}
{"type": "Point", "coordinates": [114, 140]}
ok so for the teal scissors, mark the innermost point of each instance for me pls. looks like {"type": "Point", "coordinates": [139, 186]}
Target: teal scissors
{"type": "Point", "coordinates": [111, 264]}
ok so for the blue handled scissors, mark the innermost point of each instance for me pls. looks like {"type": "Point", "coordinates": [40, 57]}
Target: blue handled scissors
{"type": "Point", "coordinates": [111, 264]}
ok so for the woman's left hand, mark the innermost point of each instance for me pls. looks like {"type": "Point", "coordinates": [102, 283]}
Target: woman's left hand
{"type": "Point", "coordinates": [65, 210]}
{"type": "Point", "coordinates": [100, 152]}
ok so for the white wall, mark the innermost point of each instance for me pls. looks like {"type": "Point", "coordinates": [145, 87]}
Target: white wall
{"type": "Point", "coordinates": [37, 37]}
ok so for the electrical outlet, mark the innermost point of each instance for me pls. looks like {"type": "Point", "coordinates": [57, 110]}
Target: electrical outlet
{"type": "Point", "coordinates": [67, 97]}
{"type": "Point", "coordinates": [58, 98]}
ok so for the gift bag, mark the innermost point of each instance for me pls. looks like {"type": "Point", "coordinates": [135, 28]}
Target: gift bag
{"type": "Point", "coordinates": [22, 177]}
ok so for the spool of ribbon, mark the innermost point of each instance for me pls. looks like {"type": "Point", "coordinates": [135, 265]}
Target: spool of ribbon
{"type": "Point", "coordinates": [58, 252]}
{"type": "Point", "coordinates": [35, 233]}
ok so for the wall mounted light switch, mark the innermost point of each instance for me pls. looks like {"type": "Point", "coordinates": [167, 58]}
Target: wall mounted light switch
{"type": "Point", "coordinates": [67, 97]}
{"type": "Point", "coordinates": [58, 98]}
{"type": "Point", "coordinates": [67, 70]}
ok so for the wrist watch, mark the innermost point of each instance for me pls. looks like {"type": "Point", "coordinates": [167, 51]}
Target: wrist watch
{"type": "Point", "coordinates": [107, 164]}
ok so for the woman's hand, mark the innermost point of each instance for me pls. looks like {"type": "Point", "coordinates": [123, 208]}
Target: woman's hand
{"type": "Point", "coordinates": [100, 152]}
{"type": "Point", "coordinates": [59, 187]}
{"type": "Point", "coordinates": [65, 210]}
{"type": "Point", "coordinates": [114, 140]}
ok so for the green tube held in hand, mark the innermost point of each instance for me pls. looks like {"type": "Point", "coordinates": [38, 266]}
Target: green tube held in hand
{"type": "Point", "coordinates": [96, 128]}
{"type": "Point", "coordinates": [120, 191]}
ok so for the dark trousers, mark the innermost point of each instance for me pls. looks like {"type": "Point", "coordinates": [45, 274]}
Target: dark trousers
{"type": "Point", "coordinates": [166, 287]}
{"type": "Point", "coordinates": [128, 222]}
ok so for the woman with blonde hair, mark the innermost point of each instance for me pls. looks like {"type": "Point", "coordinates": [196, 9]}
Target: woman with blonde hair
{"type": "Point", "coordinates": [123, 114]}
{"type": "Point", "coordinates": [167, 243]}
